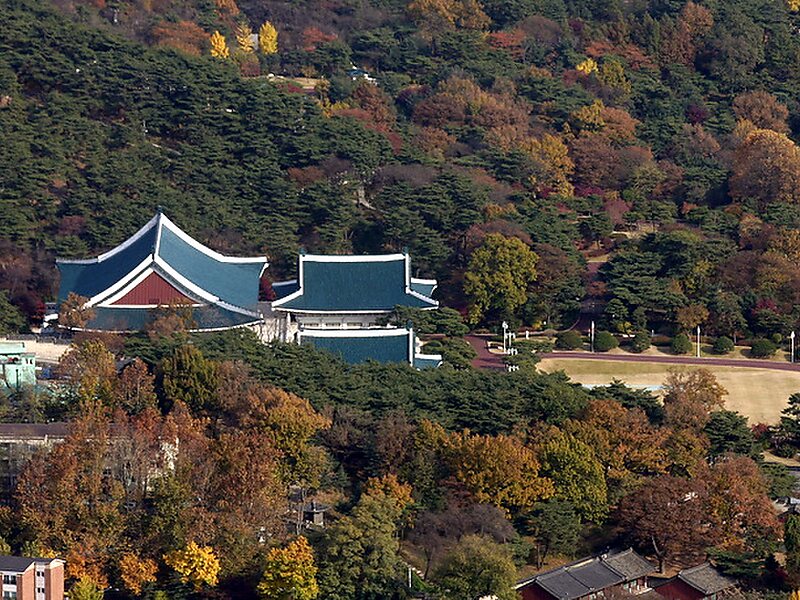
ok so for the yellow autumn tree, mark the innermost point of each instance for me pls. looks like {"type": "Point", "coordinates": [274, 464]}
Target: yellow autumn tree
{"type": "Point", "coordinates": [437, 16]}
{"type": "Point", "coordinates": [589, 117]}
{"type": "Point", "coordinates": [587, 66]}
{"type": "Point", "coordinates": [612, 74]}
{"type": "Point", "coordinates": [290, 573]}
{"type": "Point", "coordinates": [219, 47]}
{"type": "Point", "coordinates": [794, 6]}
{"type": "Point", "coordinates": [268, 38]}
{"type": "Point", "coordinates": [136, 572]}
{"type": "Point", "coordinates": [244, 37]}
{"type": "Point", "coordinates": [552, 165]}
{"type": "Point", "coordinates": [195, 564]}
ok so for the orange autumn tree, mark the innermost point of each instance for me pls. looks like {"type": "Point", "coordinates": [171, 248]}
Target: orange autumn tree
{"type": "Point", "coordinates": [74, 313]}
{"type": "Point", "coordinates": [626, 444]}
{"type": "Point", "coordinates": [136, 572]}
{"type": "Point", "coordinates": [766, 167]}
{"type": "Point", "coordinates": [498, 470]}
{"type": "Point", "coordinates": [69, 505]}
{"type": "Point", "coordinates": [552, 164]}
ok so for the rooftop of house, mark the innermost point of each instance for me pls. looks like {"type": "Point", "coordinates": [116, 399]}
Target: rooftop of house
{"type": "Point", "coordinates": [629, 564]}
{"type": "Point", "coordinates": [589, 575]}
{"type": "Point", "coordinates": [353, 284]}
{"type": "Point", "coordinates": [20, 564]}
{"type": "Point", "coordinates": [706, 579]}
{"type": "Point", "coordinates": [22, 431]}
{"type": "Point", "coordinates": [8, 347]}
{"type": "Point", "coordinates": [162, 247]}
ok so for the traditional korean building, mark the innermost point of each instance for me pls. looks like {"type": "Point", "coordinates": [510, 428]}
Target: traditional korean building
{"type": "Point", "coordinates": [162, 266]}
{"type": "Point", "coordinates": [702, 582]}
{"type": "Point", "coordinates": [336, 302]}
{"type": "Point", "coordinates": [348, 292]}
{"type": "Point", "coordinates": [594, 578]}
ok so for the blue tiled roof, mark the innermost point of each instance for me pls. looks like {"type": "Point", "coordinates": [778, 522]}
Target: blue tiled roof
{"type": "Point", "coordinates": [426, 289]}
{"type": "Point", "coordinates": [234, 281]}
{"type": "Point", "coordinates": [90, 278]}
{"type": "Point", "coordinates": [427, 361]}
{"type": "Point", "coordinates": [360, 345]}
{"type": "Point", "coordinates": [357, 348]}
{"type": "Point", "coordinates": [342, 284]}
{"type": "Point", "coordinates": [135, 319]}
{"type": "Point", "coordinates": [284, 288]}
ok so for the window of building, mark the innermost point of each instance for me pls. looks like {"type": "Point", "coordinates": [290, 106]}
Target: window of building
{"type": "Point", "coordinates": [10, 579]}
{"type": "Point", "coordinates": [9, 595]}
{"type": "Point", "coordinates": [354, 325]}
{"type": "Point", "coordinates": [40, 573]}
{"type": "Point", "coordinates": [40, 590]}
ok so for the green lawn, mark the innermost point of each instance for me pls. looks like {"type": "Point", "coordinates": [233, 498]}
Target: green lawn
{"type": "Point", "coordinates": [760, 394]}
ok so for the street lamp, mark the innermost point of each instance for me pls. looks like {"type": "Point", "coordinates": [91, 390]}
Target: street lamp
{"type": "Point", "coordinates": [698, 341]}
{"type": "Point", "coordinates": [591, 338]}
{"type": "Point", "coordinates": [505, 337]}
{"type": "Point", "coordinates": [791, 337]}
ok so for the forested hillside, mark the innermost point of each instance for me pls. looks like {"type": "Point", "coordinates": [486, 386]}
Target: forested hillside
{"type": "Point", "coordinates": [536, 156]}
{"type": "Point", "coordinates": [657, 135]}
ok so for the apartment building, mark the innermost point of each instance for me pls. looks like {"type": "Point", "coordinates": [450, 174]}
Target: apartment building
{"type": "Point", "coordinates": [32, 578]}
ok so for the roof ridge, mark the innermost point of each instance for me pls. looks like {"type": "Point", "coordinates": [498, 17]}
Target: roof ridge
{"type": "Point", "coordinates": [117, 249]}
{"type": "Point", "coordinates": [165, 221]}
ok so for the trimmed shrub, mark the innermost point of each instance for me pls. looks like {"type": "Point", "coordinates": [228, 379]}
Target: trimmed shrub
{"type": "Point", "coordinates": [569, 340]}
{"type": "Point", "coordinates": [640, 342]}
{"type": "Point", "coordinates": [681, 344]}
{"type": "Point", "coordinates": [723, 345]}
{"type": "Point", "coordinates": [605, 341]}
{"type": "Point", "coordinates": [762, 348]}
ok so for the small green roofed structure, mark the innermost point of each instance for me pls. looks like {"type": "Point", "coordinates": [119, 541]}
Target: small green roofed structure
{"type": "Point", "coordinates": [162, 266]}
{"type": "Point", "coordinates": [17, 367]}
{"type": "Point", "coordinates": [356, 346]}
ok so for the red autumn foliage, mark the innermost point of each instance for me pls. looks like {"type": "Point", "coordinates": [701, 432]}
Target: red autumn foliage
{"type": "Point", "coordinates": [183, 35]}
{"type": "Point", "coordinates": [313, 37]}
{"type": "Point", "coordinates": [632, 54]}
{"type": "Point", "coordinates": [510, 41]}
{"type": "Point", "coordinates": [304, 176]}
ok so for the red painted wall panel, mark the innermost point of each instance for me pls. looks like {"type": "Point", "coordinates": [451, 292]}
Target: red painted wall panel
{"type": "Point", "coordinates": [678, 590]}
{"type": "Point", "coordinates": [534, 592]}
{"type": "Point", "coordinates": [153, 290]}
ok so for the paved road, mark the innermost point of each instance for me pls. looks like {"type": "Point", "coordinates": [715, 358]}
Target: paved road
{"type": "Point", "coordinates": [678, 360]}
{"type": "Point", "coordinates": [487, 360]}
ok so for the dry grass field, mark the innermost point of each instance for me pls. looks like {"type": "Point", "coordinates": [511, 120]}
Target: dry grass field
{"type": "Point", "coordinates": [759, 394]}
